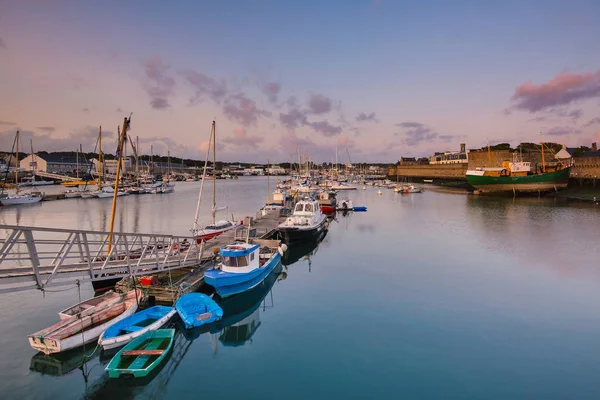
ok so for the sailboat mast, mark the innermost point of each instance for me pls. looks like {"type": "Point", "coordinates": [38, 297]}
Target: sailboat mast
{"type": "Point", "coordinates": [33, 164]}
{"type": "Point", "coordinates": [17, 164]}
{"type": "Point", "coordinates": [77, 159]}
{"type": "Point", "coordinates": [116, 188]}
{"type": "Point", "coordinates": [100, 163]}
{"type": "Point", "coordinates": [268, 181]}
{"type": "Point", "coordinates": [203, 178]}
{"type": "Point", "coordinates": [489, 155]}
{"type": "Point", "coordinates": [214, 207]}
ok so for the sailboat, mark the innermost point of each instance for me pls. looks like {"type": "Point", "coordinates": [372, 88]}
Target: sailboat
{"type": "Point", "coordinates": [216, 227]}
{"type": "Point", "coordinates": [26, 198]}
{"type": "Point", "coordinates": [31, 181]}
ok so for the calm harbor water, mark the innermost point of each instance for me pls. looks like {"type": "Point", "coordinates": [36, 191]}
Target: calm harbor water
{"type": "Point", "coordinates": [432, 295]}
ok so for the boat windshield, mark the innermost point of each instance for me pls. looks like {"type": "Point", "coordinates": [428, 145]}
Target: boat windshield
{"type": "Point", "coordinates": [241, 261]}
{"type": "Point", "coordinates": [308, 207]}
{"type": "Point", "coordinates": [299, 207]}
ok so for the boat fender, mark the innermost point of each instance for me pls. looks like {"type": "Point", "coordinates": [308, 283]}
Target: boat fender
{"type": "Point", "coordinates": [282, 249]}
{"type": "Point", "coordinates": [216, 250]}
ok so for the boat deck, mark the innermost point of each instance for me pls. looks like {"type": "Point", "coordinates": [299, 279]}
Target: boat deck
{"type": "Point", "coordinates": [174, 284]}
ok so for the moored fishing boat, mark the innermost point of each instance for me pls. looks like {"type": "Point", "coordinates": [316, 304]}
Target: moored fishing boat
{"type": "Point", "coordinates": [243, 267]}
{"type": "Point", "coordinates": [141, 355]}
{"type": "Point", "coordinates": [307, 221]}
{"type": "Point", "coordinates": [197, 309]}
{"type": "Point", "coordinates": [15, 199]}
{"type": "Point", "coordinates": [84, 327]}
{"type": "Point", "coordinates": [517, 176]}
{"type": "Point", "coordinates": [127, 329]}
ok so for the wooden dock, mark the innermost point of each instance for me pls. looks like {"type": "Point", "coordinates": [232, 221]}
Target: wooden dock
{"type": "Point", "coordinates": [167, 287]}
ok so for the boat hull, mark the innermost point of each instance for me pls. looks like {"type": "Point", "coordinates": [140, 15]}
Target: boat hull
{"type": "Point", "coordinates": [550, 181]}
{"type": "Point", "coordinates": [211, 234]}
{"type": "Point", "coordinates": [159, 314]}
{"type": "Point", "coordinates": [292, 234]}
{"type": "Point", "coordinates": [13, 201]}
{"type": "Point", "coordinates": [141, 365]}
{"type": "Point", "coordinates": [197, 309]}
{"type": "Point", "coordinates": [229, 284]}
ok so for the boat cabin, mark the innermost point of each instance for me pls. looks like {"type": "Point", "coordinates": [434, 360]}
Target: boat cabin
{"type": "Point", "coordinates": [220, 225]}
{"type": "Point", "coordinates": [240, 257]}
{"type": "Point", "coordinates": [306, 208]}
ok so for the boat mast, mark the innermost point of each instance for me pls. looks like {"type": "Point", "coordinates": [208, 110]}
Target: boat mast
{"type": "Point", "coordinates": [77, 159]}
{"type": "Point", "coordinates": [268, 181]}
{"type": "Point", "coordinates": [203, 177]}
{"type": "Point", "coordinates": [151, 169]}
{"type": "Point", "coordinates": [17, 164]}
{"type": "Point", "coordinates": [33, 165]}
{"type": "Point", "coordinates": [137, 159]}
{"type": "Point", "coordinates": [214, 135]}
{"type": "Point", "coordinates": [100, 163]}
{"type": "Point", "coordinates": [543, 161]}
{"type": "Point", "coordinates": [118, 173]}
{"type": "Point", "coordinates": [489, 155]}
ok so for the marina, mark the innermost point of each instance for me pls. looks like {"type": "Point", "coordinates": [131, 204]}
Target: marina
{"type": "Point", "coordinates": [299, 200]}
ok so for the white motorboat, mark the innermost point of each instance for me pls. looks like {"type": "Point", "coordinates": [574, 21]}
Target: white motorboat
{"type": "Point", "coordinates": [306, 222]}
{"type": "Point", "coordinates": [27, 198]}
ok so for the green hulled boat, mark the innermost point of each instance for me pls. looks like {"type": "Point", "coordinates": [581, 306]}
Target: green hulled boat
{"type": "Point", "coordinates": [141, 355]}
{"type": "Point", "coordinates": [532, 183]}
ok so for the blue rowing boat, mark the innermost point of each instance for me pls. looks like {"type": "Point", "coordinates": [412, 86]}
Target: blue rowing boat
{"type": "Point", "coordinates": [197, 309]}
{"type": "Point", "coordinates": [129, 328]}
{"type": "Point", "coordinates": [243, 267]}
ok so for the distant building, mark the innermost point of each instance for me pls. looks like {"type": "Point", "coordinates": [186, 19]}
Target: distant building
{"type": "Point", "coordinates": [451, 157]}
{"type": "Point", "coordinates": [110, 166]}
{"type": "Point", "coordinates": [275, 170]}
{"type": "Point", "coordinates": [407, 160]}
{"type": "Point", "coordinates": [53, 163]}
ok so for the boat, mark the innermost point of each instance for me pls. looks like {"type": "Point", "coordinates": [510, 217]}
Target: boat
{"type": "Point", "coordinates": [242, 267]}
{"type": "Point", "coordinates": [307, 221]}
{"type": "Point", "coordinates": [108, 192]}
{"type": "Point", "coordinates": [141, 355]}
{"type": "Point", "coordinates": [18, 198]}
{"type": "Point", "coordinates": [427, 180]}
{"type": "Point", "coordinates": [129, 328]}
{"type": "Point", "coordinates": [517, 176]}
{"type": "Point", "coordinates": [327, 201]}
{"type": "Point", "coordinates": [216, 228]}
{"type": "Point", "coordinates": [407, 188]}
{"type": "Point", "coordinates": [107, 298]}
{"type": "Point", "coordinates": [348, 205]}
{"type": "Point", "coordinates": [197, 309]}
{"type": "Point", "coordinates": [84, 327]}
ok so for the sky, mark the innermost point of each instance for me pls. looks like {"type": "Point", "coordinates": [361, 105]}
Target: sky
{"type": "Point", "coordinates": [375, 80]}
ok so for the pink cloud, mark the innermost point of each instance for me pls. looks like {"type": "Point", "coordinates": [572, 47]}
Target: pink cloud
{"type": "Point", "coordinates": [561, 90]}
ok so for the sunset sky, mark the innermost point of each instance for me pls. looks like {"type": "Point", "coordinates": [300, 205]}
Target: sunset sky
{"type": "Point", "coordinates": [382, 79]}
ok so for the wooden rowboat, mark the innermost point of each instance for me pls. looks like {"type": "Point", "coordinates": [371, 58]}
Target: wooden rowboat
{"type": "Point", "coordinates": [142, 354]}
{"type": "Point", "coordinates": [109, 297]}
{"type": "Point", "coordinates": [84, 327]}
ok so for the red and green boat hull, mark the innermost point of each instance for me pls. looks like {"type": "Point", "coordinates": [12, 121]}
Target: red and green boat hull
{"type": "Point", "coordinates": [549, 181]}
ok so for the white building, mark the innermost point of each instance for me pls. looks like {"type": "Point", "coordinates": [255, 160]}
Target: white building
{"type": "Point", "coordinates": [110, 166]}
{"type": "Point", "coordinates": [53, 163]}
{"type": "Point", "coordinates": [451, 157]}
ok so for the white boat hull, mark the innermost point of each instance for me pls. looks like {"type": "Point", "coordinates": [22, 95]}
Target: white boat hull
{"type": "Point", "coordinates": [113, 343]}
{"type": "Point", "coordinates": [12, 201]}
{"type": "Point", "coordinates": [50, 346]}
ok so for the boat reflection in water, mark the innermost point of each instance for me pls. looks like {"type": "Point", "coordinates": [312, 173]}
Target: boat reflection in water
{"type": "Point", "coordinates": [297, 251]}
{"type": "Point", "coordinates": [63, 363]}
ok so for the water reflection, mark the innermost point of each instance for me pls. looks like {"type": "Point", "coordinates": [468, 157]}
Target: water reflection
{"type": "Point", "coordinates": [300, 250]}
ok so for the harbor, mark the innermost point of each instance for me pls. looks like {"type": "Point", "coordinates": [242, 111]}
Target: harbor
{"type": "Point", "coordinates": [282, 313]}
{"type": "Point", "coordinates": [298, 200]}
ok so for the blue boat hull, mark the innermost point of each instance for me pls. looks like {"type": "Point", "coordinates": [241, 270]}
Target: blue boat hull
{"type": "Point", "coordinates": [229, 284]}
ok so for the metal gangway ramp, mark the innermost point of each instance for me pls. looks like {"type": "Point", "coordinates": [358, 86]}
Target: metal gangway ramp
{"type": "Point", "coordinates": [38, 258]}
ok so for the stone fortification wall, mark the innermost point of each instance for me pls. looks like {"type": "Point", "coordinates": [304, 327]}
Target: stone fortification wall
{"type": "Point", "coordinates": [448, 171]}
{"type": "Point", "coordinates": [586, 167]}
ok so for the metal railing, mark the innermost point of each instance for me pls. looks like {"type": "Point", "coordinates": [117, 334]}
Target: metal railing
{"type": "Point", "coordinates": [45, 255]}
